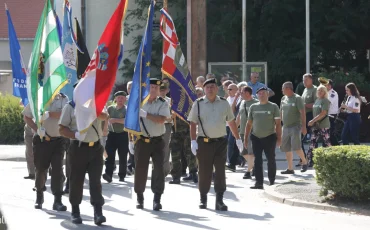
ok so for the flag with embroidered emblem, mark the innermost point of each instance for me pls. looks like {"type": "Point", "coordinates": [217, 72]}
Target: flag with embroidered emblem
{"type": "Point", "coordinates": [92, 92]}
{"type": "Point", "coordinates": [174, 66]}
{"type": "Point", "coordinates": [141, 79]}
{"type": "Point", "coordinates": [47, 74]}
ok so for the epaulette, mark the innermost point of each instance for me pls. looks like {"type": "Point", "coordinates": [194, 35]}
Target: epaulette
{"type": "Point", "coordinates": [222, 98]}
{"type": "Point", "coordinates": [63, 95]}
{"type": "Point", "coordinates": [200, 99]}
{"type": "Point", "coordinates": [161, 99]}
{"type": "Point", "coordinates": [72, 103]}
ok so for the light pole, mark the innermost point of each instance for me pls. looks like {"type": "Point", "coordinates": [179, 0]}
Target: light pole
{"type": "Point", "coordinates": [244, 39]}
{"type": "Point", "coordinates": [308, 36]}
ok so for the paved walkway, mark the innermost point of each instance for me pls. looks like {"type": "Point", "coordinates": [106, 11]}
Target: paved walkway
{"type": "Point", "coordinates": [248, 208]}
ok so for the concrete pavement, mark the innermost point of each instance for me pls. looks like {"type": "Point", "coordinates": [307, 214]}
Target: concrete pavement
{"type": "Point", "coordinates": [248, 208]}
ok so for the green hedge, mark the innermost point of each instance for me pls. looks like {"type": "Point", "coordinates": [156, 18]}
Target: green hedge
{"type": "Point", "coordinates": [11, 120]}
{"type": "Point", "coordinates": [344, 170]}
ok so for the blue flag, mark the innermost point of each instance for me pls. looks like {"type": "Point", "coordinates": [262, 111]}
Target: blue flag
{"type": "Point", "coordinates": [18, 67]}
{"type": "Point", "coordinates": [69, 51]}
{"type": "Point", "coordinates": [141, 79]}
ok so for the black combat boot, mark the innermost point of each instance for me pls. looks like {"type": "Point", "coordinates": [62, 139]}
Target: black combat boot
{"type": "Point", "coordinates": [58, 205]}
{"type": "Point", "coordinates": [157, 202]}
{"type": "Point", "coordinates": [175, 181]}
{"type": "Point", "coordinates": [76, 218]}
{"type": "Point", "coordinates": [189, 177]}
{"type": "Point", "coordinates": [195, 177]}
{"type": "Point", "coordinates": [140, 201]}
{"type": "Point", "coordinates": [66, 189]}
{"type": "Point", "coordinates": [39, 200]}
{"type": "Point", "coordinates": [220, 206]}
{"type": "Point", "coordinates": [98, 215]}
{"type": "Point", "coordinates": [203, 201]}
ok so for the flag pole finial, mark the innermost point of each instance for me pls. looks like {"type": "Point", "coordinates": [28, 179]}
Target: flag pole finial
{"type": "Point", "coordinates": [6, 7]}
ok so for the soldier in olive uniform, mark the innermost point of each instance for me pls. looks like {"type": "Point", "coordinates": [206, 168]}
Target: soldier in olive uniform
{"type": "Point", "coordinates": [264, 117]}
{"type": "Point", "coordinates": [180, 144]}
{"type": "Point", "coordinates": [28, 136]}
{"type": "Point", "coordinates": [153, 114]}
{"type": "Point", "coordinates": [48, 149]}
{"type": "Point", "coordinates": [210, 114]}
{"type": "Point", "coordinates": [247, 153]}
{"type": "Point", "coordinates": [167, 135]}
{"type": "Point", "coordinates": [117, 138]}
{"type": "Point", "coordinates": [84, 154]}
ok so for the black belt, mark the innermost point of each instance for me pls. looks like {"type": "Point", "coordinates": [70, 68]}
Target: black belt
{"type": "Point", "coordinates": [89, 144]}
{"type": "Point", "coordinates": [149, 139]}
{"type": "Point", "coordinates": [47, 138]}
{"type": "Point", "coordinates": [207, 139]}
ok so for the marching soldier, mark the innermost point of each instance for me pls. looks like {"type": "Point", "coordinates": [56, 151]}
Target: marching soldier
{"type": "Point", "coordinates": [48, 149]}
{"type": "Point", "coordinates": [294, 124]}
{"type": "Point", "coordinates": [117, 138]}
{"type": "Point", "coordinates": [247, 153]}
{"type": "Point", "coordinates": [153, 114]}
{"type": "Point", "coordinates": [84, 154]}
{"type": "Point", "coordinates": [264, 117]}
{"type": "Point", "coordinates": [28, 136]}
{"type": "Point", "coordinates": [211, 113]}
{"type": "Point", "coordinates": [164, 89]}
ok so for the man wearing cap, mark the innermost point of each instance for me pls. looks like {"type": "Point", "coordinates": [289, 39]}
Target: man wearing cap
{"type": "Point", "coordinates": [153, 114]}
{"type": "Point", "coordinates": [85, 154]}
{"type": "Point", "coordinates": [164, 89]}
{"type": "Point", "coordinates": [48, 149]}
{"type": "Point", "coordinates": [208, 117]}
{"type": "Point", "coordinates": [333, 111]}
{"type": "Point", "coordinates": [293, 116]}
{"type": "Point", "coordinates": [264, 117]}
{"type": "Point", "coordinates": [117, 138]}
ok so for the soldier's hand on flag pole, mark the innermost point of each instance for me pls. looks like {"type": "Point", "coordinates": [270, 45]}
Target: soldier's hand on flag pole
{"type": "Point", "coordinates": [194, 147]}
{"type": "Point", "coordinates": [143, 113]}
{"type": "Point", "coordinates": [41, 132]}
{"type": "Point", "coordinates": [131, 147]}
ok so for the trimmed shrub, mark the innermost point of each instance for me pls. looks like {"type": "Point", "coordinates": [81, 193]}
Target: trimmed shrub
{"type": "Point", "coordinates": [344, 170]}
{"type": "Point", "coordinates": [11, 120]}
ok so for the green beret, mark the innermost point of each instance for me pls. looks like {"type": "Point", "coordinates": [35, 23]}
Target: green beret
{"type": "Point", "coordinates": [155, 81]}
{"type": "Point", "coordinates": [120, 93]}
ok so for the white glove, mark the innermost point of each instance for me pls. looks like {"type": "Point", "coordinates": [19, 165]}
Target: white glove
{"type": "Point", "coordinates": [80, 136]}
{"type": "Point", "coordinates": [41, 132]}
{"type": "Point", "coordinates": [45, 116]}
{"type": "Point", "coordinates": [131, 147]}
{"type": "Point", "coordinates": [143, 113]}
{"type": "Point", "coordinates": [194, 147]}
{"type": "Point", "coordinates": [239, 143]}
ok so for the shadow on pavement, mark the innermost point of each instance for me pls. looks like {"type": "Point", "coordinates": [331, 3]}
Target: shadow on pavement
{"type": "Point", "coordinates": [240, 215]}
{"type": "Point", "coordinates": [181, 218]}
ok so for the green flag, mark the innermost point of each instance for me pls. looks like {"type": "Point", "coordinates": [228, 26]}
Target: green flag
{"type": "Point", "coordinates": [46, 71]}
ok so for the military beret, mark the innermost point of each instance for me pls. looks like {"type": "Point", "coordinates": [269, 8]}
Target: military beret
{"type": "Point", "coordinates": [120, 93]}
{"type": "Point", "coordinates": [262, 88]}
{"type": "Point", "coordinates": [210, 81]}
{"type": "Point", "coordinates": [155, 81]}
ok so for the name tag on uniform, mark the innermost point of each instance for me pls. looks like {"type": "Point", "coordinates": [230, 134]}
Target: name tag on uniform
{"type": "Point", "coordinates": [206, 140]}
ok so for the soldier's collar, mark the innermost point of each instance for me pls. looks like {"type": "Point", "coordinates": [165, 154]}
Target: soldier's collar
{"type": "Point", "coordinates": [206, 99]}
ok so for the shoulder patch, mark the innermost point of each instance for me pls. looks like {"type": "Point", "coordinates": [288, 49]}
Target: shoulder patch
{"type": "Point", "coordinates": [161, 99]}
{"type": "Point", "coordinates": [357, 104]}
{"type": "Point", "coordinates": [222, 98]}
{"type": "Point", "coordinates": [72, 103]}
{"type": "Point", "coordinates": [332, 95]}
{"type": "Point", "coordinates": [200, 99]}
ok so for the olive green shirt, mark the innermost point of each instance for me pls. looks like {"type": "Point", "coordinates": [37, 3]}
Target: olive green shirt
{"type": "Point", "coordinates": [309, 96]}
{"type": "Point", "coordinates": [263, 118]}
{"type": "Point", "coordinates": [119, 114]}
{"type": "Point", "coordinates": [213, 116]}
{"type": "Point", "coordinates": [68, 119]}
{"type": "Point", "coordinates": [290, 107]}
{"type": "Point", "coordinates": [50, 124]}
{"type": "Point", "coordinates": [243, 112]}
{"type": "Point", "coordinates": [158, 107]}
{"type": "Point", "coordinates": [320, 105]}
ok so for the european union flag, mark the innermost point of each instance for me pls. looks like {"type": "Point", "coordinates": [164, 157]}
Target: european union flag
{"type": "Point", "coordinates": [140, 81]}
{"type": "Point", "coordinates": [18, 67]}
